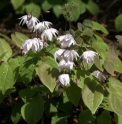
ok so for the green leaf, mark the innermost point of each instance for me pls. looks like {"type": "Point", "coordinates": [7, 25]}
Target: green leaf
{"type": "Point", "coordinates": [118, 119]}
{"type": "Point", "coordinates": [99, 27]}
{"type": "Point", "coordinates": [5, 37]}
{"type": "Point", "coordinates": [73, 93]}
{"type": "Point", "coordinates": [92, 7]}
{"type": "Point", "coordinates": [57, 11]}
{"type": "Point", "coordinates": [118, 66]}
{"type": "Point", "coordinates": [18, 38]}
{"type": "Point", "coordinates": [58, 120]}
{"type": "Point", "coordinates": [118, 21]}
{"type": "Point", "coordinates": [5, 50]}
{"type": "Point", "coordinates": [17, 3]}
{"type": "Point", "coordinates": [14, 64]}
{"type": "Point", "coordinates": [33, 110]}
{"type": "Point", "coordinates": [26, 94]}
{"type": "Point", "coordinates": [9, 91]}
{"type": "Point", "coordinates": [46, 5]}
{"type": "Point", "coordinates": [92, 95]}
{"type": "Point", "coordinates": [88, 23]}
{"type": "Point", "coordinates": [104, 118]}
{"type": "Point", "coordinates": [27, 69]}
{"type": "Point", "coordinates": [16, 114]}
{"type": "Point", "coordinates": [115, 102]}
{"type": "Point", "coordinates": [6, 77]}
{"type": "Point", "coordinates": [80, 9]}
{"type": "Point", "coordinates": [98, 63]}
{"type": "Point", "coordinates": [50, 61]}
{"type": "Point", "coordinates": [109, 66]}
{"type": "Point", "coordinates": [32, 6]}
{"type": "Point", "coordinates": [101, 49]}
{"type": "Point", "coordinates": [114, 85]}
{"type": "Point", "coordinates": [85, 117]}
{"type": "Point", "coordinates": [87, 32]}
{"type": "Point", "coordinates": [48, 76]}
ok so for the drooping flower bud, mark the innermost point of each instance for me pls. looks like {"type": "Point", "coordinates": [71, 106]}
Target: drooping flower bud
{"type": "Point", "coordinates": [88, 56]}
{"type": "Point", "coordinates": [99, 75]}
{"type": "Point", "coordinates": [64, 79]}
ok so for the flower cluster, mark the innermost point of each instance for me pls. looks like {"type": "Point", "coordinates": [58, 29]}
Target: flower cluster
{"type": "Point", "coordinates": [65, 57]}
{"type": "Point", "coordinates": [43, 28]}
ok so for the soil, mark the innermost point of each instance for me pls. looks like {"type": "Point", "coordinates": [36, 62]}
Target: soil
{"type": "Point", "coordinates": [9, 23]}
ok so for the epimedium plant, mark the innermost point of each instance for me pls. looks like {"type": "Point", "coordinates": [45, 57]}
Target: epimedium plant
{"type": "Point", "coordinates": [59, 71]}
{"type": "Point", "coordinates": [22, 6]}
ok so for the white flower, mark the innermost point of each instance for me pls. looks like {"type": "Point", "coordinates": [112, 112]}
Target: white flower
{"type": "Point", "coordinates": [59, 54]}
{"type": "Point", "coordinates": [66, 40]}
{"type": "Point", "coordinates": [99, 75]}
{"type": "Point", "coordinates": [65, 65]}
{"type": "Point", "coordinates": [40, 27]}
{"type": "Point", "coordinates": [29, 20]}
{"type": "Point", "coordinates": [70, 55]}
{"type": "Point", "coordinates": [49, 33]}
{"type": "Point", "coordinates": [34, 44]}
{"type": "Point", "coordinates": [88, 56]}
{"type": "Point", "coordinates": [64, 79]}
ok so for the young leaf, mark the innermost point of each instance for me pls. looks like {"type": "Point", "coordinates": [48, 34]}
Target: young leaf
{"type": "Point", "coordinates": [33, 110]}
{"type": "Point", "coordinates": [99, 27]}
{"type": "Point", "coordinates": [73, 93]}
{"type": "Point", "coordinates": [92, 95]}
{"type": "Point", "coordinates": [5, 50]}
{"type": "Point", "coordinates": [48, 76]}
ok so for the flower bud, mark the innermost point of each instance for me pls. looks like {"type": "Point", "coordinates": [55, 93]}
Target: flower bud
{"type": "Point", "coordinates": [64, 79]}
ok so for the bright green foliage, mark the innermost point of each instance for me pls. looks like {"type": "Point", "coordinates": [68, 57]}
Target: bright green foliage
{"type": "Point", "coordinates": [33, 110]}
{"type": "Point", "coordinates": [49, 75]}
{"type": "Point", "coordinates": [34, 76]}
{"type": "Point", "coordinates": [18, 38]}
{"type": "Point", "coordinates": [50, 61]}
{"type": "Point", "coordinates": [7, 77]}
{"type": "Point", "coordinates": [92, 94]}
{"type": "Point", "coordinates": [5, 50]}
{"type": "Point", "coordinates": [27, 69]}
